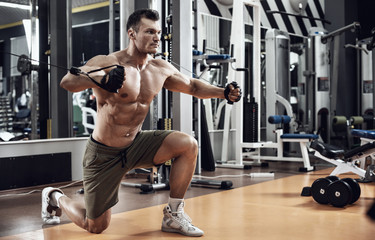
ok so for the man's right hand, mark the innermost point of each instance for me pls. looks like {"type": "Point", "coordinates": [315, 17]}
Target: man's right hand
{"type": "Point", "coordinates": [114, 79]}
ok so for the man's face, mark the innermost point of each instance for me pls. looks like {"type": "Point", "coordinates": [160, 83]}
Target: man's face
{"type": "Point", "coordinates": [148, 36]}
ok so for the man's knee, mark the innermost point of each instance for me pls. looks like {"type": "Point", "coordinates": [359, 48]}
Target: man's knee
{"type": "Point", "coordinates": [97, 228]}
{"type": "Point", "coordinates": [176, 145]}
{"type": "Point", "coordinates": [191, 144]}
{"type": "Point", "coordinates": [99, 224]}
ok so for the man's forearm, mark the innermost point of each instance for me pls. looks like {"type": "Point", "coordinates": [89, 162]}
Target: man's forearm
{"type": "Point", "coordinates": [77, 83]}
{"type": "Point", "coordinates": [205, 90]}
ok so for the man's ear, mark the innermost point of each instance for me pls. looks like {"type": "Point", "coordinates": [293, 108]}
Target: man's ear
{"type": "Point", "coordinates": [131, 33]}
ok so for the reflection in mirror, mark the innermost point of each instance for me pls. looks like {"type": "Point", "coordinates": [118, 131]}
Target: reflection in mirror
{"type": "Point", "coordinates": [19, 117]}
{"type": "Point", "coordinates": [84, 48]}
{"type": "Point", "coordinates": [15, 81]}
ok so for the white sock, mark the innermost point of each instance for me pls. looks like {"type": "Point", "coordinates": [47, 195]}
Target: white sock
{"type": "Point", "coordinates": [174, 203]}
{"type": "Point", "coordinates": [55, 196]}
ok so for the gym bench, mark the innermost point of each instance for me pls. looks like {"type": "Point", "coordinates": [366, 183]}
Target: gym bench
{"type": "Point", "coordinates": [348, 161]}
{"type": "Point", "coordinates": [302, 139]}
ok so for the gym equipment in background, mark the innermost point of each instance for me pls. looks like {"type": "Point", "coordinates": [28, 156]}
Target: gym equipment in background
{"type": "Point", "coordinates": [281, 138]}
{"type": "Point", "coordinates": [277, 79]}
{"type": "Point", "coordinates": [347, 161]}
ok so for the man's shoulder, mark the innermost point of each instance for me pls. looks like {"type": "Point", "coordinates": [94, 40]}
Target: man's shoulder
{"type": "Point", "coordinates": [160, 63]}
{"type": "Point", "coordinates": [100, 60]}
{"type": "Point", "coordinates": [156, 61]}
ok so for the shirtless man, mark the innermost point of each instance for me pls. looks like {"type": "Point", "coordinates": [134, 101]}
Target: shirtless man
{"type": "Point", "coordinates": [118, 144]}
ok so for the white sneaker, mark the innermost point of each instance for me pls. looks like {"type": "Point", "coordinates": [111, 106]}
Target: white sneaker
{"type": "Point", "coordinates": [50, 214]}
{"type": "Point", "coordinates": [179, 222]}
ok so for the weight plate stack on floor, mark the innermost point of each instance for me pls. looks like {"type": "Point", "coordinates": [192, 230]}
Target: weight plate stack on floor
{"type": "Point", "coordinates": [318, 190]}
{"type": "Point", "coordinates": [339, 193]}
{"type": "Point", "coordinates": [333, 178]}
{"type": "Point", "coordinates": [355, 188]}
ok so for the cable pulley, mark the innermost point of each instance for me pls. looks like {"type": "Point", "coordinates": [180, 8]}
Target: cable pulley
{"type": "Point", "coordinates": [24, 65]}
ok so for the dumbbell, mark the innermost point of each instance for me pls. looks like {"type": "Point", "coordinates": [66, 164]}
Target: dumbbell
{"type": "Point", "coordinates": [319, 188]}
{"type": "Point", "coordinates": [343, 192]}
{"type": "Point", "coordinates": [332, 190]}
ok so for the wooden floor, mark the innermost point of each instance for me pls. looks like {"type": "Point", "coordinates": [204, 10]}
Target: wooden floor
{"type": "Point", "coordinates": [267, 210]}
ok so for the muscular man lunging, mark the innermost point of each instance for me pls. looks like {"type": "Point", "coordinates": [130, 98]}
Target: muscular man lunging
{"type": "Point", "coordinates": [118, 143]}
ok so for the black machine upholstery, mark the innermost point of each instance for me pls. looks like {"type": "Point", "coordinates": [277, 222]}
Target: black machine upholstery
{"type": "Point", "coordinates": [333, 152]}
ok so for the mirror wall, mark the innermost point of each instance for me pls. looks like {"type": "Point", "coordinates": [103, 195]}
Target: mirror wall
{"type": "Point", "coordinates": [24, 105]}
{"type": "Point", "coordinates": [90, 21]}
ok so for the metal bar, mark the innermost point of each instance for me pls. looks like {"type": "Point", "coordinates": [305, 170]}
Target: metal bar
{"type": "Point", "coordinates": [257, 59]}
{"type": "Point", "coordinates": [373, 79]}
{"type": "Point", "coordinates": [354, 26]}
{"type": "Point", "coordinates": [126, 8]}
{"type": "Point", "coordinates": [111, 31]}
{"type": "Point", "coordinates": [298, 16]}
{"type": "Point", "coordinates": [34, 52]}
{"type": "Point", "coordinates": [335, 75]}
{"type": "Point", "coordinates": [181, 40]}
{"type": "Point", "coordinates": [61, 100]}
{"type": "Point", "coordinates": [44, 85]}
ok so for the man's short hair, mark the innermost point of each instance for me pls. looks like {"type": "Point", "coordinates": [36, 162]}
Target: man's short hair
{"type": "Point", "coordinates": [135, 18]}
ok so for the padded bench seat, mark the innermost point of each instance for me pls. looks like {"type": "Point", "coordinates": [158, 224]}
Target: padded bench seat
{"type": "Point", "coordinates": [334, 152]}
{"type": "Point", "coordinates": [299, 136]}
{"type": "Point", "coordinates": [359, 150]}
{"type": "Point", "coordinates": [363, 133]}
{"type": "Point", "coordinates": [328, 151]}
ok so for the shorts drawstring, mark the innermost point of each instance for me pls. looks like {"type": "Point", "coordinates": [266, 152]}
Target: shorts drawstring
{"type": "Point", "coordinates": [123, 158]}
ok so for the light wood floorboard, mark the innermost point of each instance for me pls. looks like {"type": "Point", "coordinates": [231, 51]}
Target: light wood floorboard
{"type": "Point", "coordinates": [268, 210]}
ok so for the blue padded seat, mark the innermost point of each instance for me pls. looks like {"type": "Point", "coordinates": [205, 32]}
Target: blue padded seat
{"type": "Point", "coordinates": [276, 119]}
{"type": "Point", "coordinates": [299, 136]}
{"type": "Point", "coordinates": [363, 133]}
{"type": "Point", "coordinates": [218, 57]}
{"type": "Point", "coordinates": [197, 53]}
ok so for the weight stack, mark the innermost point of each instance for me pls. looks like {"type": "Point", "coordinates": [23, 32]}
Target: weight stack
{"type": "Point", "coordinates": [165, 124]}
{"type": "Point", "coordinates": [250, 119]}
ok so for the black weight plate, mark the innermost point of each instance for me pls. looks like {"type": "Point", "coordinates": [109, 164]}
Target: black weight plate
{"type": "Point", "coordinates": [355, 188]}
{"type": "Point", "coordinates": [318, 190]}
{"type": "Point", "coordinates": [22, 63]}
{"type": "Point", "coordinates": [333, 178]}
{"type": "Point", "coordinates": [339, 193]}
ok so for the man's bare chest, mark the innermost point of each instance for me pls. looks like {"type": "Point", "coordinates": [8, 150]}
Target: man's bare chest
{"type": "Point", "coordinates": [140, 86]}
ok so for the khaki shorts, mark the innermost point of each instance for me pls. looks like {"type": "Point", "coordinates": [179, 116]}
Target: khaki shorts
{"type": "Point", "coordinates": [104, 168]}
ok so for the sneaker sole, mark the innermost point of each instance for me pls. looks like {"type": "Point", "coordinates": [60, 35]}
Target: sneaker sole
{"type": "Point", "coordinates": [173, 230]}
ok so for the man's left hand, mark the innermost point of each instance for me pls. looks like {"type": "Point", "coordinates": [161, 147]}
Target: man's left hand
{"type": "Point", "coordinates": [232, 92]}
